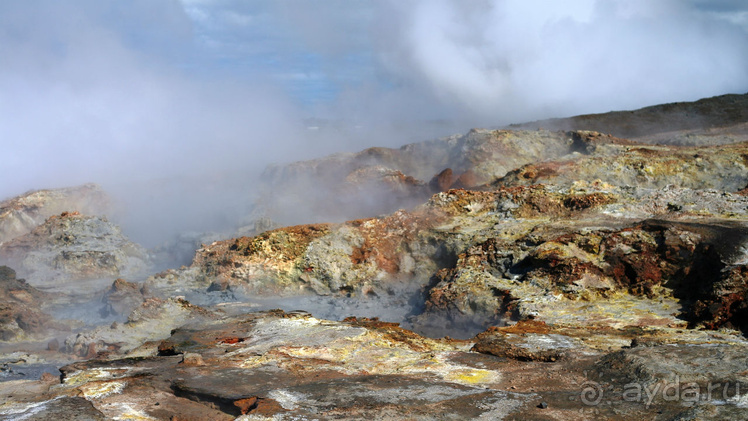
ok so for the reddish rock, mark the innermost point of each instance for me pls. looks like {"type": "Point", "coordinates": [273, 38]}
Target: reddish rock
{"type": "Point", "coordinates": [442, 181]}
{"type": "Point", "coordinates": [466, 180]}
{"type": "Point", "coordinates": [258, 406]}
{"type": "Point", "coordinates": [21, 308]}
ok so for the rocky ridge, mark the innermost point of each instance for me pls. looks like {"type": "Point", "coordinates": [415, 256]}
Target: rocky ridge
{"type": "Point", "coordinates": [382, 180]}
{"type": "Point", "coordinates": [708, 121]}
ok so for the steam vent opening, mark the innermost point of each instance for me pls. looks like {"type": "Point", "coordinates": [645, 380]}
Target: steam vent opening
{"type": "Point", "coordinates": [222, 210]}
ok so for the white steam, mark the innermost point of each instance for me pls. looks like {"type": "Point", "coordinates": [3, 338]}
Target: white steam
{"type": "Point", "coordinates": [84, 102]}
{"type": "Point", "coordinates": [514, 60]}
{"type": "Point", "coordinates": [195, 97]}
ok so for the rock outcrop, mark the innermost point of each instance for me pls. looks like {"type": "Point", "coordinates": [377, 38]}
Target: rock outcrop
{"type": "Point", "coordinates": [21, 314]}
{"type": "Point", "coordinates": [152, 321]}
{"type": "Point", "coordinates": [584, 276]}
{"type": "Point", "coordinates": [20, 215]}
{"type": "Point", "coordinates": [516, 252]}
{"type": "Point", "coordinates": [71, 248]}
{"type": "Point", "coordinates": [708, 167]}
{"type": "Point", "coordinates": [382, 180]}
{"type": "Point", "coordinates": [310, 191]}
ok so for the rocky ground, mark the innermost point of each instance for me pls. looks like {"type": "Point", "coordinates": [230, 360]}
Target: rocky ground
{"type": "Point", "coordinates": [528, 274]}
{"type": "Point", "coordinates": [20, 215]}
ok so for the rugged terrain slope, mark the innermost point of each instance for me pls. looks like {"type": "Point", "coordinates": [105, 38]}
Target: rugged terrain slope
{"type": "Point", "coordinates": [531, 275]}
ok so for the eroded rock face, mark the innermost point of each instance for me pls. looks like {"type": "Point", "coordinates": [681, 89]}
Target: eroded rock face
{"type": "Point", "coordinates": [323, 259]}
{"type": "Point", "coordinates": [70, 248]}
{"type": "Point", "coordinates": [21, 315]}
{"type": "Point", "coordinates": [20, 215]}
{"type": "Point", "coordinates": [481, 257]}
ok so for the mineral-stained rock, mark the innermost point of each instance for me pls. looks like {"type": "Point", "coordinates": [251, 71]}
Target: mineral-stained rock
{"type": "Point", "coordinates": [296, 367]}
{"type": "Point", "coordinates": [20, 215]}
{"type": "Point", "coordinates": [381, 180]}
{"type": "Point", "coordinates": [535, 343]}
{"type": "Point", "coordinates": [21, 315]}
{"type": "Point", "coordinates": [656, 166]}
{"type": "Point", "coordinates": [516, 252]}
{"type": "Point", "coordinates": [285, 366]}
{"type": "Point", "coordinates": [552, 275]}
{"type": "Point", "coordinates": [70, 248]}
{"type": "Point", "coordinates": [485, 155]}
{"type": "Point", "coordinates": [601, 276]}
{"type": "Point", "coordinates": [442, 181]}
{"type": "Point", "coordinates": [321, 258]}
{"type": "Point", "coordinates": [447, 180]}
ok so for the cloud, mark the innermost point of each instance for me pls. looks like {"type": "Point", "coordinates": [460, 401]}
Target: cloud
{"type": "Point", "coordinates": [95, 93]}
{"type": "Point", "coordinates": [135, 93]}
{"type": "Point", "coordinates": [509, 61]}
{"type": "Point", "coordinates": [488, 62]}
{"type": "Point", "coordinates": [492, 62]}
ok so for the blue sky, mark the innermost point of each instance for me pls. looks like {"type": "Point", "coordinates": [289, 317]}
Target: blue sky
{"type": "Point", "coordinates": [312, 49]}
{"type": "Point", "coordinates": [462, 58]}
{"type": "Point", "coordinates": [112, 90]}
